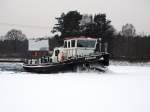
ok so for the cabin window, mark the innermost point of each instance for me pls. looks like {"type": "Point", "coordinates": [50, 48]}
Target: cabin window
{"type": "Point", "coordinates": [68, 44]}
{"type": "Point", "coordinates": [56, 52]}
{"type": "Point", "coordinates": [86, 43]}
{"type": "Point", "coordinates": [65, 44]}
{"type": "Point", "coordinates": [72, 43]}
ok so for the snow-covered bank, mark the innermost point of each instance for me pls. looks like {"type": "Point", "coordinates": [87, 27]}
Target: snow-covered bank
{"type": "Point", "coordinates": [121, 89]}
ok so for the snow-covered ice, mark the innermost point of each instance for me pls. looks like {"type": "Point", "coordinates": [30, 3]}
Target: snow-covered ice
{"type": "Point", "coordinates": [123, 88]}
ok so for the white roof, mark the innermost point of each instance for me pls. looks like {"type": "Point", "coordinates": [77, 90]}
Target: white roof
{"type": "Point", "coordinates": [80, 38]}
{"type": "Point", "coordinates": [38, 45]}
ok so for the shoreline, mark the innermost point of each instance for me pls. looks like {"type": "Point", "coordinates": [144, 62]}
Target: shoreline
{"type": "Point", "coordinates": [112, 61]}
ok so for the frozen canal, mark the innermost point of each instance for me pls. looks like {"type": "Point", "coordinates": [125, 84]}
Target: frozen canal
{"type": "Point", "coordinates": [124, 88]}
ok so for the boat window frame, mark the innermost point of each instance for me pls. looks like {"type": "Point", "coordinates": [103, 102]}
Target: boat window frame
{"type": "Point", "coordinates": [73, 43]}
{"type": "Point", "coordinates": [69, 44]}
{"type": "Point", "coordinates": [57, 52]}
{"type": "Point", "coordinates": [86, 46]}
{"type": "Point", "coordinates": [65, 44]}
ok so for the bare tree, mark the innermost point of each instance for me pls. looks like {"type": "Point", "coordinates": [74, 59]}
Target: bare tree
{"type": "Point", "coordinates": [128, 30]}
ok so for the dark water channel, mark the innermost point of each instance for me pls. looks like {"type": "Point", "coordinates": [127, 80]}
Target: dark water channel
{"type": "Point", "coordinates": [11, 66]}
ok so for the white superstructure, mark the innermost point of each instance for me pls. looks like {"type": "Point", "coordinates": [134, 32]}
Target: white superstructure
{"type": "Point", "coordinates": [75, 47]}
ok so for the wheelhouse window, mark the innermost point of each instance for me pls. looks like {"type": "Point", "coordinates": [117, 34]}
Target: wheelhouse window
{"type": "Point", "coordinates": [65, 44]}
{"type": "Point", "coordinates": [72, 43]}
{"type": "Point", "coordinates": [86, 43]}
{"type": "Point", "coordinates": [69, 44]}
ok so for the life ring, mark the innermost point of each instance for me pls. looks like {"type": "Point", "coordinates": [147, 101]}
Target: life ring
{"type": "Point", "coordinates": [61, 57]}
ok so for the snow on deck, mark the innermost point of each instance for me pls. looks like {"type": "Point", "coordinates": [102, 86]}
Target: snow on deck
{"type": "Point", "coordinates": [121, 89]}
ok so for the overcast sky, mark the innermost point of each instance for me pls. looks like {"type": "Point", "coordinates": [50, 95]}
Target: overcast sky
{"type": "Point", "coordinates": [37, 17]}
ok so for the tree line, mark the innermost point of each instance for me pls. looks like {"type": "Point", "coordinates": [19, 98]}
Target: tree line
{"type": "Point", "coordinates": [124, 44]}
{"type": "Point", "coordinates": [14, 44]}
{"type": "Point", "coordinates": [131, 48]}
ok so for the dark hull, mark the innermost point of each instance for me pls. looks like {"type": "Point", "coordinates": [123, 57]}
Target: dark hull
{"type": "Point", "coordinates": [68, 66]}
{"type": "Point", "coordinates": [49, 68]}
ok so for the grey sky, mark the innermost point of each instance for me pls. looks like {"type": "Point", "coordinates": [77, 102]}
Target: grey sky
{"type": "Point", "coordinates": [42, 13]}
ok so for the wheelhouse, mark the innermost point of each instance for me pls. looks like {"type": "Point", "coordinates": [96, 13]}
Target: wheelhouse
{"type": "Point", "coordinates": [79, 46]}
{"type": "Point", "coordinates": [80, 43]}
